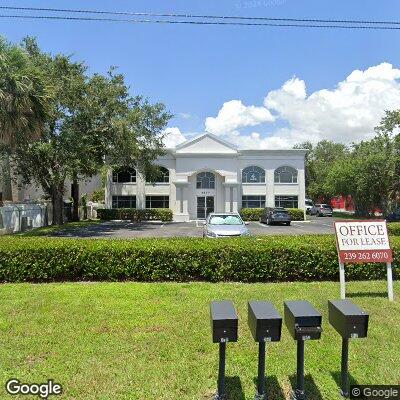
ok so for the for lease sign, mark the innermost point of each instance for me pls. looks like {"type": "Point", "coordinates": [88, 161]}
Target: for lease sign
{"type": "Point", "coordinates": [363, 241]}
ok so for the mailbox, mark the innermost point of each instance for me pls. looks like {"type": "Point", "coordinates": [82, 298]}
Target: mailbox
{"type": "Point", "coordinates": [349, 320]}
{"type": "Point", "coordinates": [224, 328]}
{"type": "Point", "coordinates": [303, 320]}
{"type": "Point", "coordinates": [264, 321]}
{"type": "Point", "coordinates": [224, 322]}
{"type": "Point", "coordinates": [265, 324]}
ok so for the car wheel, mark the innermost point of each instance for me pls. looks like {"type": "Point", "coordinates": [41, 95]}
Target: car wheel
{"type": "Point", "coordinates": [288, 223]}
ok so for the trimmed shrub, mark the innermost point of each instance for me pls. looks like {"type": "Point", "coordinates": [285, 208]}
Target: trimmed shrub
{"type": "Point", "coordinates": [394, 228]}
{"type": "Point", "coordinates": [251, 214]}
{"type": "Point", "coordinates": [296, 213]}
{"type": "Point", "coordinates": [253, 259]}
{"type": "Point", "coordinates": [133, 214]}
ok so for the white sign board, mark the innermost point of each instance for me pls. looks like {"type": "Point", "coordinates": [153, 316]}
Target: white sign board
{"type": "Point", "coordinates": [363, 242]}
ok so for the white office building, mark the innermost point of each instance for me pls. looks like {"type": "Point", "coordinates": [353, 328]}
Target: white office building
{"type": "Point", "coordinates": [208, 174]}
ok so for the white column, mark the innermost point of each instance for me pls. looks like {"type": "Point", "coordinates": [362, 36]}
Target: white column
{"type": "Point", "coordinates": [107, 191]}
{"type": "Point", "coordinates": [140, 192]}
{"type": "Point", "coordinates": [302, 189]}
{"type": "Point", "coordinates": [235, 198]}
{"type": "Point", "coordinates": [227, 199]}
{"type": "Point", "coordinates": [270, 200]}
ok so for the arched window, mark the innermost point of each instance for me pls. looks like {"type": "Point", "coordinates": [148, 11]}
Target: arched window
{"type": "Point", "coordinates": [205, 180]}
{"type": "Point", "coordinates": [286, 175]}
{"type": "Point", "coordinates": [253, 175]}
{"type": "Point", "coordinates": [124, 175]}
{"type": "Point", "coordinates": [161, 176]}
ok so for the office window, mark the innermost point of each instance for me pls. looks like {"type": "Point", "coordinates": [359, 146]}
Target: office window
{"type": "Point", "coordinates": [124, 202]}
{"type": "Point", "coordinates": [253, 201]}
{"type": "Point", "coordinates": [253, 174]}
{"type": "Point", "coordinates": [287, 201]}
{"type": "Point", "coordinates": [157, 201]}
{"type": "Point", "coordinates": [205, 180]}
{"type": "Point", "coordinates": [124, 175]}
{"type": "Point", "coordinates": [285, 175]}
{"type": "Point", "coordinates": [162, 176]}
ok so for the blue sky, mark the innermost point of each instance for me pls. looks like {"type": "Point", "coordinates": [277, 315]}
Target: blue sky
{"type": "Point", "coordinates": [194, 70]}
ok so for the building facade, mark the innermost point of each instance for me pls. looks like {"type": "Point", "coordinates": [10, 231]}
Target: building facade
{"type": "Point", "coordinates": [207, 174]}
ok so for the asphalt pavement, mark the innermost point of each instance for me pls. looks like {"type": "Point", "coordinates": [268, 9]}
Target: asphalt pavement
{"type": "Point", "coordinates": [130, 230]}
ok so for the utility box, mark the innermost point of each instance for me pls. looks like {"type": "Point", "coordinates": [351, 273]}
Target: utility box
{"type": "Point", "coordinates": [349, 320]}
{"type": "Point", "coordinates": [303, 320]}
{"type": "Point", "coordinates": [264, 321]}
{"type": "Point", "coordinates": [224, 322]}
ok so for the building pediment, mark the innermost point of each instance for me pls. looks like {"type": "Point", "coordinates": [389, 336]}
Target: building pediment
{"type": "Point", "coordinates": [206, 144]}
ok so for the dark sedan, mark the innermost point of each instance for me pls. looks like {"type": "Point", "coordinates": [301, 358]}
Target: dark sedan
{"type": "Point", "coordinates": [275, 215]}
{"type": "Point", "coordinates": [394, 216]}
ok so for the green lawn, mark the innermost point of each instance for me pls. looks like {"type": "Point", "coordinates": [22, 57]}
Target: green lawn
{"type": "Point", "coordinates": [153, 341]}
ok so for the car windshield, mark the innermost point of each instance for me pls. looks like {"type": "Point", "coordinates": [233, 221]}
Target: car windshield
{"type": "Point", "coordinates": [225, 220]}
{"type": "Point", "coordinates": [309, 203]}
{"type": "Point", "coordinates": [326, 206]}
{"type": "Point", "coordinates": [280, 212]}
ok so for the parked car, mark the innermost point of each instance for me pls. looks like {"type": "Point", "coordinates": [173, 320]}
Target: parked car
{"type": "Point", "coordinates": [224, 225]}
{"type": "Point", "coordinates": [275, 215]}
{"type": "Point", "coordinates": [322, 210]}
{"type": "Point", "coordinates": [308, 205]}
{"type": "Point", "coordinates": [394, 216]}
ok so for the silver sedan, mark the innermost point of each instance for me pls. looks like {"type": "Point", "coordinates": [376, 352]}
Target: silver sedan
{"type": "Point", "coordinates": [224, 225]}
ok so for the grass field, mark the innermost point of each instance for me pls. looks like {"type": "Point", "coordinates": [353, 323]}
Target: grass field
{"type": "Point", "coordinates": [153, 341]}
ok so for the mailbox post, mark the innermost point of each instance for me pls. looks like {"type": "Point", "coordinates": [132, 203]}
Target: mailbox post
{"type": "Point", "coordinates": [224, 328]}
{"type": "Point", "coordinates": [350, 322]}
{"type": "Point", "coordinates": [304, 323]}
{"type": "Point", "coordinates": [265, 324]}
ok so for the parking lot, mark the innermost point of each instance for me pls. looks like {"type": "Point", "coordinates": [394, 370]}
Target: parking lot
{"type": "Point", "coordinates": [129, 230]}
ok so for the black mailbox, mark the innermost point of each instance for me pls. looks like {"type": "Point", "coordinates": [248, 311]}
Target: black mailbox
{"type": "Point", "coordinates": [264, 321]}
{"type": "Point", "coordinates": [303, 320]}
{"type": "Point", "coordinates": [350, 322]}
{"type": "Point", "coordinates": [224, 322]}
{"type": "Point", "coordinates": [348, 319]}
{"type": "Point", "coordinates": [265, 324]}
{"type": "Point", "coordinates": [224, 328]}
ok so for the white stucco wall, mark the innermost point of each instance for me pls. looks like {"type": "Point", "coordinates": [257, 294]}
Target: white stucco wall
{"type": "Point", "coordinates": [209, 153]}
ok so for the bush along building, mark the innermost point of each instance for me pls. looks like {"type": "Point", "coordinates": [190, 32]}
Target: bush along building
{"type": "Point", "coordinates": [207, 174]}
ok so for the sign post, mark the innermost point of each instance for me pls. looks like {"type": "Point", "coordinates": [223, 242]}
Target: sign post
{"type": "Point", "coordinates": [360, 241]}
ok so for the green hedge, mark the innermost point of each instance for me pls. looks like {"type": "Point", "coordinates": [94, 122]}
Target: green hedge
{"type": "Point", "coordinates": [133, 214]}
{"type": "Point", "coordinates": [296, 213]}
{"type": "Point", "coordinates": [394, 228]}
{"type": "Point", "coordinates": [251, 214]}
{"type": "Point", "coordinates": [261, 259]}
{"type": "Point", "coordinates": [254, 214]}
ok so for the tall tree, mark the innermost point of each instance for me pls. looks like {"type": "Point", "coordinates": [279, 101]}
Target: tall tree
{"type": "Point", "coordinates": [319, 160]}
{"type": "Point", "coordinates": [93, 121]}
{"type": "Point", "coordinates": [24, 100]}
{"type": "Point", "coordinates": [366, 173]}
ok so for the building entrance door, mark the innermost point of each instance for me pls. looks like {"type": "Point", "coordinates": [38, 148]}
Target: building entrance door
{"type": "Point", "coordinates": [205, 206]}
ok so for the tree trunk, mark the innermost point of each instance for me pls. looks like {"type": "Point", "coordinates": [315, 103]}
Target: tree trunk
{"type": "Point", "coordinates": [75, 198]}
{"type": "Point", "coordinates": [6, 178]}
{"type": "Point", "coordinates": [57, 201]}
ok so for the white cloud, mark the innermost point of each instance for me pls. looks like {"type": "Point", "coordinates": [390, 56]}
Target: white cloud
{"type": "Point", "coordinates": [349, 112]}
{"type": "Point", "coordinates": [172, 137]}
{"type": "Point", "coordinates": [234, 114]}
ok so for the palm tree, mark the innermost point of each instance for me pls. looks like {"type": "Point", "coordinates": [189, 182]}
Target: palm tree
{"type": "Point", "coordinates": [23, 104]}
